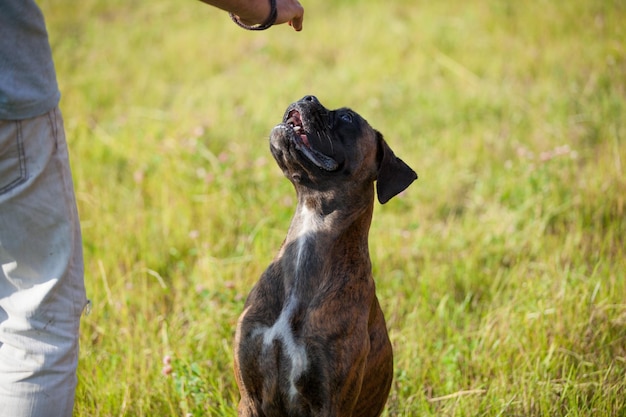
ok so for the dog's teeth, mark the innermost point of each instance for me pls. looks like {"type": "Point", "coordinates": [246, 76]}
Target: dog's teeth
{"type": "Point", "coordinates": [297, 128]}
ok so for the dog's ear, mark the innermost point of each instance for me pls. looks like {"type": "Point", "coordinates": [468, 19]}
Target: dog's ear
{"type": "Point", "coordinates": [394, 175]}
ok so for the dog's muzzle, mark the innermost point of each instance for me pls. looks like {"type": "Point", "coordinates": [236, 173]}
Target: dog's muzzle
{"type": "Point", "coordinates": [297, 131]}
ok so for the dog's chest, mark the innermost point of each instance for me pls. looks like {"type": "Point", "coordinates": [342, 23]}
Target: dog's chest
{"type": "Point", "coordinates": [292, 350]}
{"type": "Point", "coordinates": [297, 260]}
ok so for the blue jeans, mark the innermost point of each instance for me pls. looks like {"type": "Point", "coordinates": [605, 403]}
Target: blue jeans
{"type": "Point", "coordinates": [42, 291]}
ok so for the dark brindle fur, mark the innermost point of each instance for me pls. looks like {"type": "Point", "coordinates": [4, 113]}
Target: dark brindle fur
{"type": "Point", "coordinates": [312, 339]}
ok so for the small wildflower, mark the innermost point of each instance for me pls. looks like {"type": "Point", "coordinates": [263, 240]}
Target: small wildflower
{"type": "Point", "coordinates": [167, 368]}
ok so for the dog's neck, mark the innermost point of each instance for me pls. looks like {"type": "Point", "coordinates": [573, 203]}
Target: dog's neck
{"type": "Point", "coordinates": [323, 232]}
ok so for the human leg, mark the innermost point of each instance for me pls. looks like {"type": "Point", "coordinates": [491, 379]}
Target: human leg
{"type": "Point", "coordinates": [41, 270]}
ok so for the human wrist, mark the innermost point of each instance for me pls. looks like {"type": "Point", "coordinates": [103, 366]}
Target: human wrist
{"type": "Point", "coordinates": [269, 22]}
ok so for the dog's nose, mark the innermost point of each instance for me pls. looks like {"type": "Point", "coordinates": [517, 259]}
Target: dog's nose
{"type": "Point", "coordinates": [310, 98]}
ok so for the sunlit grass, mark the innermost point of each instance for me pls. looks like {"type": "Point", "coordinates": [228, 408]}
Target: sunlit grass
{"type": "Point", "coordinates": [501, 270]}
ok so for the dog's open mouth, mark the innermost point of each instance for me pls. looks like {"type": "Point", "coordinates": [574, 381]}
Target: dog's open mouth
{"type": "Point", "coordinates": [303, 145]}
{"type": "Point", "coordinates": [295, 121]}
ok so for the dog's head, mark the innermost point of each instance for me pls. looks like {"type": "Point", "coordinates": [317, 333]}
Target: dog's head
{"type": "Point", "coordinates": [320, 149]}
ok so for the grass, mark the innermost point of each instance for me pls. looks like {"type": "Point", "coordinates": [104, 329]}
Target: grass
{"type": "Point", "coordinates": [501, 270]}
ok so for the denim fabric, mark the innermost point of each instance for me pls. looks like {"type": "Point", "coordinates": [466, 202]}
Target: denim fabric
{"type": "Point", "coordinates": [28, 85]}
{"type": "Point", "coordinates": [42, 292]}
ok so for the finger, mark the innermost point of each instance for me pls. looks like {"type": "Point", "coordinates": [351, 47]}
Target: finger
{"type": "Point", "coordinates": [296, 23]}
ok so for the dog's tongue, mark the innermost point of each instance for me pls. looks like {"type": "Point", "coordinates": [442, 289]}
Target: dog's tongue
{"type": "Point", "coordinates": [303, 137]}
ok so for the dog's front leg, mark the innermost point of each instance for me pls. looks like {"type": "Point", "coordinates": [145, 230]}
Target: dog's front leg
{"type": "Point", "coordinates": [245, 409]}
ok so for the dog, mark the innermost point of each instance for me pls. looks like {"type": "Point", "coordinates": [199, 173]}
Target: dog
{"type": "Point", "coordinates": [312, 339]}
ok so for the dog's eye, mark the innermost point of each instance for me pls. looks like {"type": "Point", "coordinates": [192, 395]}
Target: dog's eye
{"type": "Point", "coordinates": [346, 117]}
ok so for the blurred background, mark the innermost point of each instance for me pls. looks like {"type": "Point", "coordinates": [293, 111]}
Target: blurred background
{"type": "Point", "coordinates": [501, 270]}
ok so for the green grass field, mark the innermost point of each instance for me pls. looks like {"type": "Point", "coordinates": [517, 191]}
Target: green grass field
{"type": "Point", "coordinates": [501, 271]}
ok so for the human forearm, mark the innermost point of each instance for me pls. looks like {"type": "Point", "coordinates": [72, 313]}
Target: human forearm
{"type": "Point", "coordinates": [249, 11]}
{"type": "Point", "coordinates": [257, 11]}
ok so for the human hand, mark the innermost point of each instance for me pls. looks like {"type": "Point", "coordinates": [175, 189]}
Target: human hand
{"type": "Point", "coordinates": [290, 11]}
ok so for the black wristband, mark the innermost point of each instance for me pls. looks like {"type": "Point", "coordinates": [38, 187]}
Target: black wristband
{"type": "Point", "coordinates": [265, 25]}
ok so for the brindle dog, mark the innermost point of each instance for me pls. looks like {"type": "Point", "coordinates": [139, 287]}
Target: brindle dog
{"type": "Point", "coordinates": [312, 339]}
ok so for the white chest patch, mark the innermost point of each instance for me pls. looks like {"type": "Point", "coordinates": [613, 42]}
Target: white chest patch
{"type": "Point", "coordinates": [295, 353]}
{"type": "Point", "coordinates": [310, 223]}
